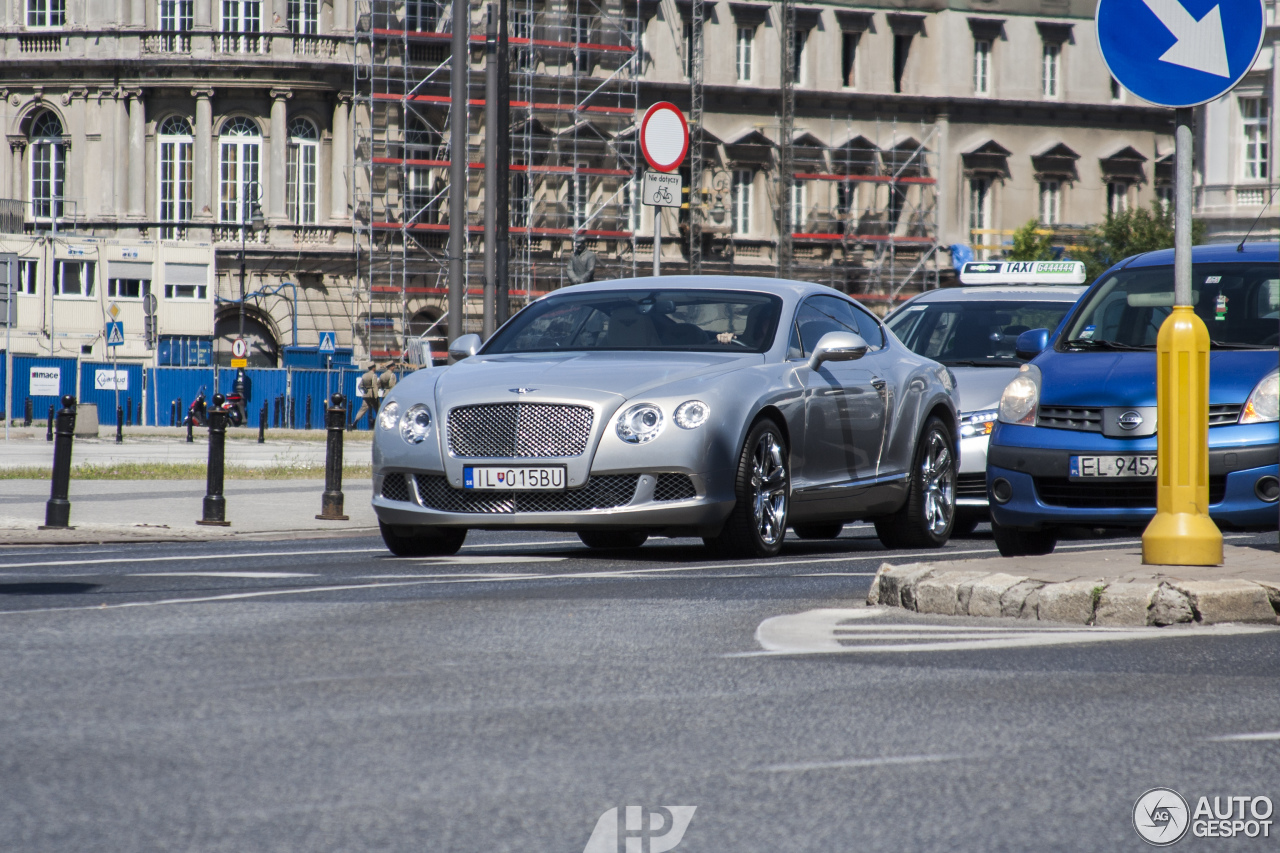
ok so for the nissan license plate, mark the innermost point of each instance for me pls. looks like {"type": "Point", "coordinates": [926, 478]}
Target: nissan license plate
{"type": "Point", "coordinates": [514, 478]}
{"type": "Point", "coordinates": [1088, 467]}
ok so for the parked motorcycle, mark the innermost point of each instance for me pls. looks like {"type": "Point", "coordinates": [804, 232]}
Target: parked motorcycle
{"type": "Point", "coordinates": [198, 411]}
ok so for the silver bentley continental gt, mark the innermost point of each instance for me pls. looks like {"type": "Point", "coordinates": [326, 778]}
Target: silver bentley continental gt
{"type": "Point", "coordinates": [721, 407]}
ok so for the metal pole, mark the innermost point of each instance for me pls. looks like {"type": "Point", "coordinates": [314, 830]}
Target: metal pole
{"type": "Point", "coordinates": [503, 158]}
{"type": "Point", "coordinates": [1182, 178]}
{"type": "Point", "coordinates": [458, 168]}
{"type": "Point", "coordinates": [335, 422]}
{"type": "Point", "coordinates": [57, 511]}
{"type": "Point", "coordinates": [490, 172]}
{"type": "Point", "coordinates": [12, 312]}
{"type": "Point", "coordinates": [242, 214]}
{"type": "Point", "coordinates": [657, 241]}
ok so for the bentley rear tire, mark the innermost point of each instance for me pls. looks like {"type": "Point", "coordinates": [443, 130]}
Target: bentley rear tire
{"type": "Point", "coordinates": [613, 539]}
{"type": "Point", "coordinates": [925, 520]}
{"type": "Point", "coordinates": [758, 522]}
{"type": "Point", "coordinates": [422, 541]}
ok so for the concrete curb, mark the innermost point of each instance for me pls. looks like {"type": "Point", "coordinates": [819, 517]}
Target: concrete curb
{"type": "Point", "coordinates": [928, 589]}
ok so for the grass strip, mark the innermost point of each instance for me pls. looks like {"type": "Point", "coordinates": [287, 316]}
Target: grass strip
{"type": "Point", "coordinates": [183, 471]}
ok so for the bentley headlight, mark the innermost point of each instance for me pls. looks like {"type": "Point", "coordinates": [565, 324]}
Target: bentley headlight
{"type": "Point", "coordinates": [1263, 405]}
{"type": "Point", "coordinates": [416, 424]}
{"type": "Point", "coordinates": [692, 414]}
{"type": "Point", "coordinates": [389, 416]}
{"type": "Point", "coordinates": [640, 424]}
{"type": "Point", "coordinates": [1021, 397]}
{"type": "Point", "coordinates": [978, 423]}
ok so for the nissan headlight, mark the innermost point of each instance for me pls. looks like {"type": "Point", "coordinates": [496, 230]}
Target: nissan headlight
{"type": "Point", "coordinates": [692, 414]}
{"type": "Point", "coordinates": [416, 424]}
{"type": "Point", "coordinates": [640, 424]}
{"type": "Point", "coordinates": [389, 416]}
{"type": "Point", "coordinates": [978, 423]}
{"type": "Point", "coordinates": [1263, 405]}
{"type": "Point", "coordinates": [1021, 397]}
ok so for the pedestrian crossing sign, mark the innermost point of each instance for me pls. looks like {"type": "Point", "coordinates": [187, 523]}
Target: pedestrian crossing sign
{"type": "Point", "coordinates": [326, 342]}
{"type": "Point", "coordinates": [115, 333]}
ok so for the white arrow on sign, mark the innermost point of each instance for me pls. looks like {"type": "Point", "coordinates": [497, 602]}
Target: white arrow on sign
{"type": "Point", "coordinates": [1201, 45]}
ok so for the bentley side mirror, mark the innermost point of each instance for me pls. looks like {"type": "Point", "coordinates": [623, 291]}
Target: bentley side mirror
{"type": "Point", "coordinates": [1031, 343]}
{"type": "Point", "coordinates": [837, 346]}
{"type": "Point", "coordinates": [464, 347]}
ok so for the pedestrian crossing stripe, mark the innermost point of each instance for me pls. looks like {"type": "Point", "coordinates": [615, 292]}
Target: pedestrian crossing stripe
{"type": "Point", "coordinates": [326, 342]}
{"type": "Point", "coordinates": [115, 334]}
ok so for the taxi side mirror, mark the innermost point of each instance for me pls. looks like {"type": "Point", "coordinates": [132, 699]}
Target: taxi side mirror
{"type": "Point", "coordinates": [1031, 343]}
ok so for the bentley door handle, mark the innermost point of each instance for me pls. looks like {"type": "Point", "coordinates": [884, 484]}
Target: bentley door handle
{"type": "Point", "coordinates": [878, 384]}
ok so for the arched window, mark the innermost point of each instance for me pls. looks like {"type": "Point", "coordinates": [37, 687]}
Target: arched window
{"type": "Point", "coordinates": [300, 173]}
{"type": "Point", "coordinates": [176, 141]}
{"type": "Point", "coordinates": [48, 167]}
{"type": "Point", "coordinates": [240, 149]}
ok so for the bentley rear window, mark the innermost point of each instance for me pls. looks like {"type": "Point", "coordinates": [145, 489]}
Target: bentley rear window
{"type": "Point", "coordinates": [687, 320]}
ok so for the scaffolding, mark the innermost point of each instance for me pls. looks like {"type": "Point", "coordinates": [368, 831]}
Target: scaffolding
{"type": "Point", "coordinates": [574, 77]}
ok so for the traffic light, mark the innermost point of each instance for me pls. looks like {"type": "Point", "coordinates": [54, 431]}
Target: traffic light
{"type": "Point", "coordinates": [149, 304]}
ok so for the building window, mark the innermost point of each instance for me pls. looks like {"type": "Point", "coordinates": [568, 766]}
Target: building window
{"type": "Point", "coordinates": [688, 49]}
{"type": "Point", "coordinates": [980, 214]}
{"type": "Point", "coordinates": [300, 172]}
{"type": "Point", "coordinates": [304, 17]}
{"type": "Point", "coordinates": [1255, 115]}
{"type": "Point", "coordinates": [580, 198]}
{"type": "Point", "coordinates": [1051, 70]}
{"type": "Point", "coordinates": [631, 204]}
{"type": "Point", "coordinates": [74, 278]}
{"type": "Point", "coordinates": [849, 59]}
{"type": "Point", "coordinates": [740, 202]}
{"type": "Point", "coordinates": [127, 288]}
{"type": "Point", "coordinates": [1050, 202]}
{"type": "Point", "coordinates": [521, 202]}
{"type": "Point", "coordinates": [1117, 197]}
{"type": "Point", "coordinates": [185, 291]}
{"type": "Point", "coordinates": [28, 277]}
{"type": "Point", "coordinates": [847, 200]}
{"type": "Point", "coordinates": [797, 206]}
{"type": "Point", "coordinates": [422, 16]}
{"type": "Point", "coordinates": [176, 142]}
{"type": "Point", "coordinates": [746, 46]}
{"type": "Point", "coordinates": [522, 51]}
{"type": "Point", "coordinates": [982, 66]}
{"type": "Point", "coordinates": [240, 23]}
{"type": "Point", "coordinates": [46, 13]}
{"type": "Point", "coordinates": [176, 16]}
{"type": "Point", "coordinates": [1164, 195]}
{"type": "Point", "coordinates": [423, 195]}
{"type": "Point", "coordinates": [240, 148]}
{"type": "Point", "coordinates": [582, 36]}
{"type": "Point", "coordinates": [901, 49]}
{"type": "Point", "coordinates": [48, 167]}
{"type": "Point", "coordinates": [799, 40]}
{"type": "Point", "coordinates": [1117, 94]}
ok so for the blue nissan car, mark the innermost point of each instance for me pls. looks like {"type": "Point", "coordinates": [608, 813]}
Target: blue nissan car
{"type": "Point", "coordinates": [1075, 438]}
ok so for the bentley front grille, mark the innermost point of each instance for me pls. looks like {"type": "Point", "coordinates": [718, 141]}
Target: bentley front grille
{"type": "Point", "coordinates": [604, 492]}
{"type": "Point", "coordinates": [395, 488]}
{"type": "Point", "coordinates": [674, 487]}
{"type": "Point", "coordinates": [519, 430]}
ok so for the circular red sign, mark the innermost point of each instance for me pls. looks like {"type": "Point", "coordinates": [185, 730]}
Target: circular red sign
{"type": "Point", "coordinates": [664, 136]}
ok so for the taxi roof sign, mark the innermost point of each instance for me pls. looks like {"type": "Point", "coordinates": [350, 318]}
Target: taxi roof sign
{"type": "Point", "coordinates": [1022, 272]}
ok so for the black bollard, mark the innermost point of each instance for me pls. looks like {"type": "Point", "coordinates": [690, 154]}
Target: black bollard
{"type": "Point", "coordinates": [335, 421]}
{"type": "Point", "coordinates": [27, 413]}
{"type": "Point", "coordinates": [48, 436]}
{"type": "Point", "coordinates": [262, 424]}
{"type": "Point", "coordinates": [128, 410]}
{"type": "Point", "coordinates": [182, 413]}
{"type": "Point", "coordinates": [119, 425]}
{"type": "Point", "coordinates": [190, 426]}
{"type": "Point", "coordinates": [138, 420]}
{"type": "Point", "coordinates": [275, 416]}
{"type": "Point", "coordinates": [173, 413]}
{"type": "Point", "coordinates": [57, 512]}
{"type": "Point", "coordinates": [215, 505]}
{"type": "Point", "coordinates": [307, 421]}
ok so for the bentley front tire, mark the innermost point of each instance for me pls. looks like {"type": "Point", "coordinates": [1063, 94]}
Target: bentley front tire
{"type": "Point", "coordinates": [613, 540]}
{"type": "Point", "coordinates": [758, 522]}
{"type": "Point", "coordinates": [422, 541]}
{"type": "Point", "coordinates": [925, 520]}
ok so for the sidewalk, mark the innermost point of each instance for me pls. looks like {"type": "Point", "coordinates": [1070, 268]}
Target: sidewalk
{"type": "Point", "coordinates": [1090, 588]}
{"type": "Point", "coordinates": [166, 510]}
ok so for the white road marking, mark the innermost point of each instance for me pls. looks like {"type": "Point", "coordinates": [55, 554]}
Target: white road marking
{"type": "Point", "coordinates": [222, 555]}
{"type": "Point", "coordinates": [862, 762]}
{"type": "Point", "coordinates": [836, 630]}
{"type": "Point", "coordinates": [1249, 736]}
{"type": "Point", "coordinates": [247, 575]}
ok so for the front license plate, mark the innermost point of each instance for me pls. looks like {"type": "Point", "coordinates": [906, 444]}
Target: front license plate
{"type": "Point", "coordinates": [515, 478]}
{"type": "Point", "coordinates": [1101, 467]}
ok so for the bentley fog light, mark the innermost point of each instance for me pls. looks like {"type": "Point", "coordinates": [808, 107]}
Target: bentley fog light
{"type": "Point", "coordinates": [416, 424]}
{"type": "Point", "coordinates": [978, 423]}
{"type": "Point", "coordinates": [1263, 405]}
{"type": "Point", "coordinates": [640, 424]}
{"type": "Point", "coordinates": [1021, 397]}
{"type": "Point", "coordinates": [389, 416]}
{"type": "Point", "coordinates": [692, 414]}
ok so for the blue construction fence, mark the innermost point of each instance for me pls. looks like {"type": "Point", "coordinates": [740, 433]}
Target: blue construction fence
{"type": "Point", "coordinates": [159, 396]}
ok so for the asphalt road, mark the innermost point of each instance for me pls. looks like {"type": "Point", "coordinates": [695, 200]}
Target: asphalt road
{"type": "Point", "coordinates": [320, 695]}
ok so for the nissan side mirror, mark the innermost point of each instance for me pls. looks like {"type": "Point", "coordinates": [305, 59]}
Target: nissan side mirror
{"type": "Point", "coordinates": [1031, 343]}
{"type": "Point", "coordinates": [837, 346]}
{"type": "Point", "coordinates": [464, 347]}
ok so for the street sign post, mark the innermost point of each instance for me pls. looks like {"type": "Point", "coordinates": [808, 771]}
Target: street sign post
{"type": "Point", "coordinates": [239, 353]}
{"type": "Point", "coordinates": [664, 142]}
{"type": "Point", "coordinates": [1179, 56]}
{"type": "Point", "coordinates": [115, 333]}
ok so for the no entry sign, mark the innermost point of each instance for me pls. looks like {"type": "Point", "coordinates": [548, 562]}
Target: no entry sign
{"type": "Point", "coordinates": [664, 136]}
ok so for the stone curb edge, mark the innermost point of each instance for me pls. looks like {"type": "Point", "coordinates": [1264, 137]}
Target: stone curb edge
{"type": "Point", "coordinates": [918, 587]}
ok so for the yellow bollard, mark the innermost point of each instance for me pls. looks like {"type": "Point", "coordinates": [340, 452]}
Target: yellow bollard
{"type": "Point", "coordinates": [1182, 534]}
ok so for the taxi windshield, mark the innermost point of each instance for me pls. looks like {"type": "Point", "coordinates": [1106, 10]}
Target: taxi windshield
{"type": "Point", "coordinates": [1240, 303]}
{"type": "Point", "coordinates": [683, 320]}
{"type": "Point", "coordinates": [973, 334]}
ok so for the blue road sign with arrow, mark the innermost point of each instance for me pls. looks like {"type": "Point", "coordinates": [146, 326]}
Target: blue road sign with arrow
{"type": "Point", "coordinates": [115, 333]}
{"type": "Point", "coordinates": [327, 342]}
{"type": "Point", "coordinates": [1180, 53]}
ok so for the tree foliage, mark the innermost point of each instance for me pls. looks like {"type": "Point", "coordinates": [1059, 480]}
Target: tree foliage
{"type": "Point", "coordinates": [1130, 232]}
{"type": "Point", "coordinates": [1031, 243]}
